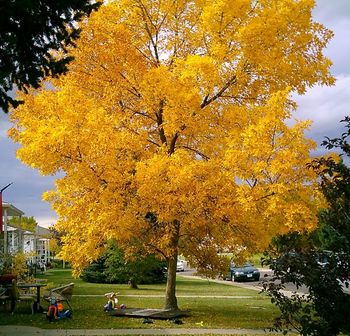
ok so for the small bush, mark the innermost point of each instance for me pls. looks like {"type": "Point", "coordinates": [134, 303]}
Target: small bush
{"type": "Point", "coordinates": [113, 268]}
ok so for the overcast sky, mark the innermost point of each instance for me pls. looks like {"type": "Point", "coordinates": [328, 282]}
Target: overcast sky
{"type": "Point", "coordinates": [325, 106]}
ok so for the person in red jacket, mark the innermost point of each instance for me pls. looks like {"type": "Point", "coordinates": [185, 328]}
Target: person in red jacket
{"type": "Point", "coordinates": [56, 310]}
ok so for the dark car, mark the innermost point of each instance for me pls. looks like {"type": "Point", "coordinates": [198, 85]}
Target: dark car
{"type": "Point", "coordinates": [339, 262]}
{"type": "Point", "coordinates": [246, 272]}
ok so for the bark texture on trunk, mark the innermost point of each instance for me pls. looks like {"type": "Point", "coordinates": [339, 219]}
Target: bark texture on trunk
{"type": "Point", "coordinates": [170, 292]}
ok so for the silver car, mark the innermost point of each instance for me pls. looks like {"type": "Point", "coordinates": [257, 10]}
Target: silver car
{"type": "Point", "coordinates": [180, 266]}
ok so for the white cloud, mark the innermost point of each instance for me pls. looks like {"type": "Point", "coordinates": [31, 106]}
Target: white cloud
{"type": "Point", "coordinates": [338, 50]}
{"type": "Point", "coordinates": [46, 221]}
{"type": "Point", "coordinates": [335, 15]}
{"type": "Point", "coordinates": [28, 185]}
{"type": "Point", "coordinates": [325, 106]}
{"type": "Point", "coordinates": [332, 10]}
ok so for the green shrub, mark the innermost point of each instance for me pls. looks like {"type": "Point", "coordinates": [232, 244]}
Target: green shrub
{"type": "Point", "coordinates": [113, 268]}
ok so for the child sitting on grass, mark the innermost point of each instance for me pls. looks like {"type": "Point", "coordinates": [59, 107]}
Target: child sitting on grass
{"type": "Point", "coordinates": [56, 310]}
{"type": "Point", "coordinates": [112, 302]}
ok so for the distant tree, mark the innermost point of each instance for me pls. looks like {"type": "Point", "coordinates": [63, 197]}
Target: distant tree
{"type": "Point", "coordinates": [34, 36]}
{"type": "Point", "coordinates": [299, 258]}
{"type": "Point", "coordinates": [26, 223]}
{"type": "Point", "coordinates": [56, 240]}
{"type": "Point", "coordinates": [112, 267]}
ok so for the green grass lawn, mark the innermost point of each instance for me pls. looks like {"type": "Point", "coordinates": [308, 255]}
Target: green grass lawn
{"type": "Point", "coordinates": [197, 296]}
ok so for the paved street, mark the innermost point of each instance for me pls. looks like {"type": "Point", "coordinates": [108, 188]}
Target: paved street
{"type": "Point", "coordinates": [266, 275]}
{"type": "Point", "coordinates": [255, 285]}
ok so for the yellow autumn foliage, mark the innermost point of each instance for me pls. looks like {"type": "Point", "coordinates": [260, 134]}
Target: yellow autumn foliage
{"type": "Point", "coordinates": [171, 127]}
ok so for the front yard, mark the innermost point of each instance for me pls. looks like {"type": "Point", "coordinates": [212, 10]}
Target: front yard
{"type": "Point", "coordinates": [211, 305]}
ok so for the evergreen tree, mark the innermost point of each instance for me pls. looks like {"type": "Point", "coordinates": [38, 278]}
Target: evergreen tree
{"type": "Point", "coordinates": [34, 36]}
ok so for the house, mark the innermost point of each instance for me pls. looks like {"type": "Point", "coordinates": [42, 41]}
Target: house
{"type": "Point", "coordinates": [11, 235]}
{"type": "Point", "coordinates": [35, 244]}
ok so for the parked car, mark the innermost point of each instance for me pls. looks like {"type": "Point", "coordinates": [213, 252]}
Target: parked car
{"type": "Point", "coordinates": [338, 261]}
{"type": "Point", "coordinates": [246, 272]}
{"type": "Point", "coordinates": [180, 266]}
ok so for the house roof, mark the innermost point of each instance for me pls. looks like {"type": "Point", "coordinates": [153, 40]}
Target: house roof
{"type": "Point", "coordinates": [11, 210]}
{"type": "Point", "coordinates": [39, 232]}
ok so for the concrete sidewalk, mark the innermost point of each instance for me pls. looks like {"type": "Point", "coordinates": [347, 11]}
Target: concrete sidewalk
{"type": "Point", "coordinates": [31, 331]}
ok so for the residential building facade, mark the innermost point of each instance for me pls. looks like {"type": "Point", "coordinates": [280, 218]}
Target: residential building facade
{"type": "Point", "coordinates": [14, 239]}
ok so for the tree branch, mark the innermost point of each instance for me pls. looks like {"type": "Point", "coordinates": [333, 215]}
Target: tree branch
{"type": "Point", "coordinates": [266, 196]}
{"type": "Point", "coordinates": [153, 142]}
{"type": "Point", "coordinates": [208, 100]}
{"type": "Point", "coordinates": [159, 116]}
{"type": "Point", "coordinates": [135, 92]}
{"type": "Point", "coordinates": [197, 152]}
{"type": "Point", "coordinates": [146, 16]}
{"type": "Point", "coordinates": [173, 143]}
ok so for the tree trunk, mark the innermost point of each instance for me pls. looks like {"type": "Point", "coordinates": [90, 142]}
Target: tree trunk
{"type": "Point", "coordinates": [170, 292]}
{"type": "Point", "coordinates": [132, 284]}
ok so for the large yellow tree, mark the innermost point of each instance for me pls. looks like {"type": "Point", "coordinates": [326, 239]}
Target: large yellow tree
{"type": "Point", "coordinates": [170, 129]}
